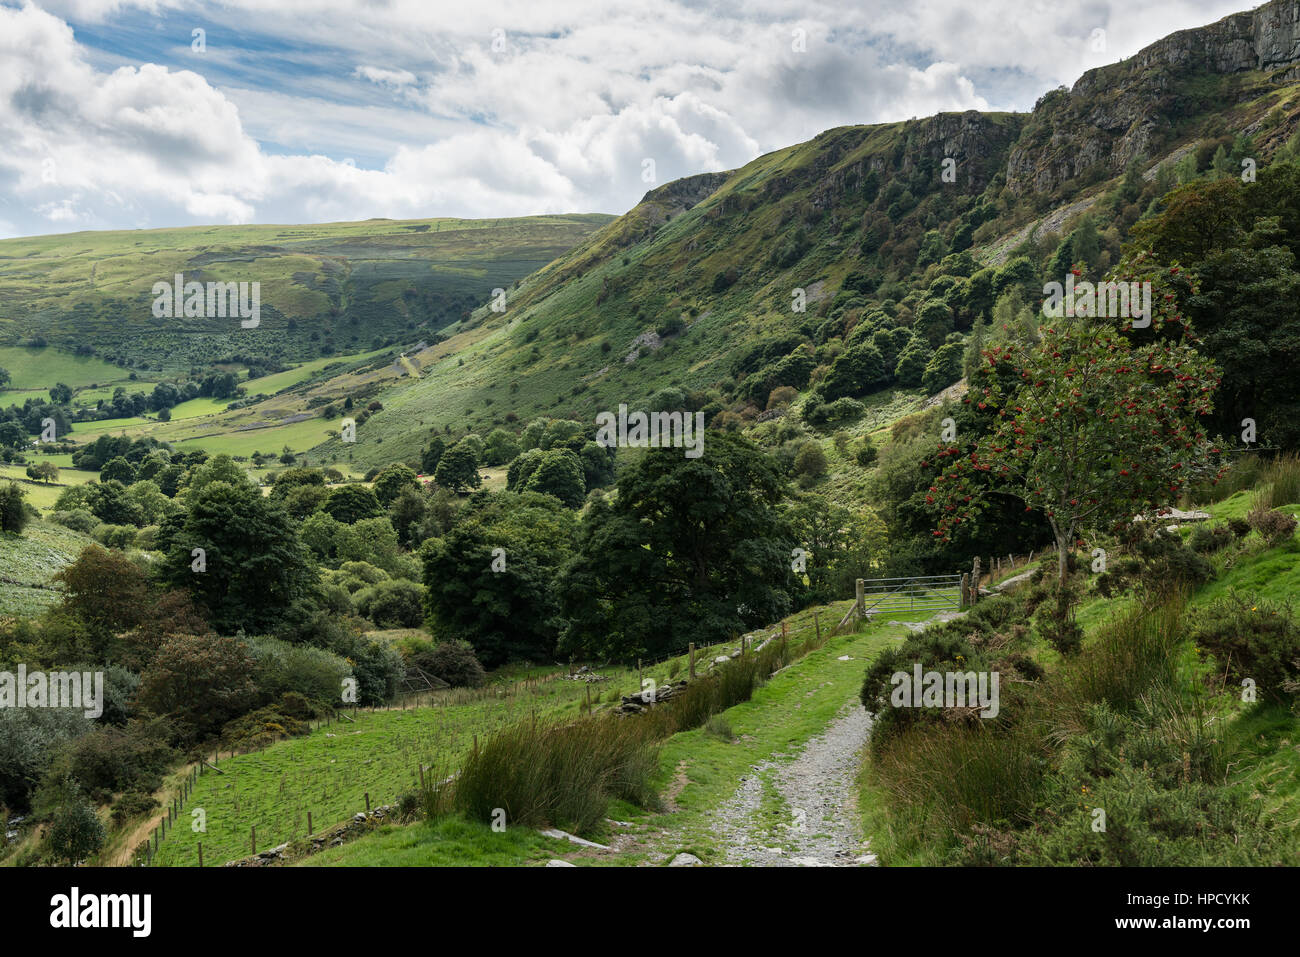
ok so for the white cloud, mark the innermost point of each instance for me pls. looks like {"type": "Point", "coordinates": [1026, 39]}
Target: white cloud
{"type": "Point", "coordinates": [395, 79]}
{"type": "Point", "coordinates": [561, 119]}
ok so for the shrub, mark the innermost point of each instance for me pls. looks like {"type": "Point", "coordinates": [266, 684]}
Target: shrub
{"type": "Point", "coordinates": [1168, 564]}
{"type": "Point", "coordinates": [1273, 526]}
{"type": "Point", "coordinates": [200, 682]}
{"type": "Point", "coordinates": [133, 804]}
{"type": "Point", "coordinates": [1206, 539]}
{"type": "Point", "coordinates": [841, 410]}
{"type": "Point", "coordinates": [810, 461]}
{"type": "Point", "coordinates": [115, 536]}
{"type": "Point", "coordinates": [29, 738]}
{"type": "Point", "coordinates": [75, 831]}
{"type": "Point", "coordinates": [262, 727]}
{"type": "Point", "coordinates": [781, 396]}
{"type": "Point", "coordinates": [112, 759]}
{"type": "Point", "coordinates": [284, 669]}
{"type": "Point", "coordinates": [77, 519]}
{"type": "Point", "coordinates": [1256, 640]}
{"type": "Point", "coordinates": [13, 510]}
{"type": "Point", "coordinates": [452, 661]}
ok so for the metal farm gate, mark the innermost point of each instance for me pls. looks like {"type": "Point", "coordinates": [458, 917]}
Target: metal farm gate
{"type": "Point", "coordinates": [926, 595]}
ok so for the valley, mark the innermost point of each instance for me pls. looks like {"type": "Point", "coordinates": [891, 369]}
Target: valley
{"type": "Point", "coordinates": [446, 533]}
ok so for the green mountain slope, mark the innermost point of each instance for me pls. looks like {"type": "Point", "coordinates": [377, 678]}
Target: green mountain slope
{"type": "Point", "coordinates": [853, 227]}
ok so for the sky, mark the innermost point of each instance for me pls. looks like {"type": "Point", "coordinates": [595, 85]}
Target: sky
{"type": "Point", "coordinates": [127, 114]}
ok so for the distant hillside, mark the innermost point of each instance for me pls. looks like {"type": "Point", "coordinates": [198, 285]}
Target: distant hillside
{"type": "Point", "coordinates": [325, 289]}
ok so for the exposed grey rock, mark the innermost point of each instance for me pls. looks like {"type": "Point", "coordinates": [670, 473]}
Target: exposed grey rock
{"type": "Point", "coordinates": [559, 835]}
{"type": "Point", "coordinates": [685, 860]}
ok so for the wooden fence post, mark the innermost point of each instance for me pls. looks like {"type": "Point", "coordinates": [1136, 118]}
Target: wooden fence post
{"type": "Point", "coordinates": [253, 838]}
{"type": "Point", "coordinates": [817, 622]}
{"type": "Point", "coordinates": [965, 590]}
{"type": "Point", "coordinates": [200, 853]}
{"type": "Point", "coordinates": [367, 802]}
{"type": "Point", "coordinates": [309, 812]}
{"type": "Point", "coordinates": [861, 591]}
{"type": "Point", "coordinates": [692, 661]}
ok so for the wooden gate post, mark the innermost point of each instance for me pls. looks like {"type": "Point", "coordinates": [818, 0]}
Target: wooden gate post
{"type": "Point", "coordinates": [965, 596]}
{"type": "Point", "coordinates": [861, 606]}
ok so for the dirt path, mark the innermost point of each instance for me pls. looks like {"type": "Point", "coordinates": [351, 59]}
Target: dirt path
{"type": "Point", "coordinates": [802, 813]}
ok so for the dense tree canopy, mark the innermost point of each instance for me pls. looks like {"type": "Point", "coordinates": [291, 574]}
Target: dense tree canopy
{"type": "Point", "coordinates": [691, 550]}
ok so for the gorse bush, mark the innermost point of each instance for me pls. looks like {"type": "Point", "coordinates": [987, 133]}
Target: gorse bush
{"type": "Point", "coordinates": [1273, 526]}
{"type": "Point", "coordinates": [1207, 539]}
{"type": "Point", "coordinates": [1251, 640]}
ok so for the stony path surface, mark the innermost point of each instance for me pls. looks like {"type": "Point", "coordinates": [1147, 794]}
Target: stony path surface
{"type": "Point", "coordinates": [818, 791]}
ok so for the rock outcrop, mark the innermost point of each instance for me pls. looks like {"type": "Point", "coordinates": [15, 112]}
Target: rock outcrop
{"type": "Point", "coordinates": [1123, 111]}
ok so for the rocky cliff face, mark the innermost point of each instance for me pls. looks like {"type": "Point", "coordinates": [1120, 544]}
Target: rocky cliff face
{"type": "Point", "coordinates": [1266, 38]}
{"type": "Point", "coordinates": [682, 194]}
{"type": "Point", "coordinates": [1124, 110]}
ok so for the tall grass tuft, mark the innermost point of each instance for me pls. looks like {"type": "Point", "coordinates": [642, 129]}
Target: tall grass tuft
{"type": "Point", "coordinates": [559, 773]}
{"type": "Point", "coordinates": [1279, 482]}
{"type": "Point", "coordinates": [1125, 660]}
{"type": "Point", "coordinates": [1244, 473]}
{"type": "Point", "coordinates": [949, 778]}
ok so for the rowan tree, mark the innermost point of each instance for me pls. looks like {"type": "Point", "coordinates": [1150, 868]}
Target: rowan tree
{"type": "Point", "coordinates": [1096, 428]}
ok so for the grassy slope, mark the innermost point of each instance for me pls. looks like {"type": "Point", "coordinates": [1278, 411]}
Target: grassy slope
{"type": "Point", "coordinates": [32, 560]}
{"type": "Point", "coordinates": [95, 287]}
{"type": "Point", "coordinates": [1265, 737]}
